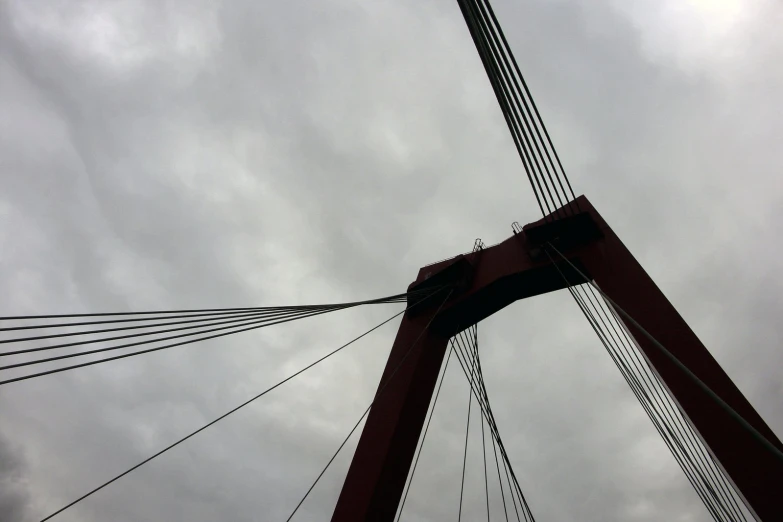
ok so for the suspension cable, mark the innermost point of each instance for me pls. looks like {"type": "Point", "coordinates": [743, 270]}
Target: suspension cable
{"type": "Point", "coordinates": [424, 435]}
{"type": "Point", "coordinates": [484, 455]}
{"type": "Point", "coordinates": [504, 107]}
{"type": "Point", "coordinates": [155, 349]}
{"type": "Point", "coordinates": [233, 322]}
{"type": "Point", "coordinates": [540, 122]}
{"type": "Point", "coordinates": [487, 413]}
{"type": "Point", "coordinates": [685, 464]}
{"type": "Point", "coordinates": [189, 313]}
{"type": "Point", "coordinates": [465, 454]}
{"type": "Point", "coordinates": [500, 480]}
{"type": "Point", "coordinates": [700, 468]}
{"type": "Point", "coordinates": [381, 389]}
{"type": "Point", "coordinates": [244, 324]}
{"type": "Point", "coordinates": [692, 439]}
{"type": "Point", "coordinates": [693, 377]}
{"type": "Point", "coordinates": [237, 408]}
{"type": "Point", "coordinates": [499, 70]}
{"type": "Point", "coordinates": [213, 320]}
{"type": "Point", "coordinates": [663, 406]}
{"type": "Point", "coordinates": [528, 131]}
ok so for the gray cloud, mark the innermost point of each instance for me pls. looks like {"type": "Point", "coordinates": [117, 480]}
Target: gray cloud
{"type": "Point", "coordinates": [177, 154]}
{"type": "Point", "coordinates": [13, 489]}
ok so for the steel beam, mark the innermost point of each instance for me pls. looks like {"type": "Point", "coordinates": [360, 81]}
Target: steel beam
{"type": "Point", "coordinates": [490, 279]}
{"type": "Point", "coordinates": [383, 457]}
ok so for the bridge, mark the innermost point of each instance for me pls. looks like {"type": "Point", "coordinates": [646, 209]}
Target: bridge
{"type": "Point", "coordinates": [730, 456]}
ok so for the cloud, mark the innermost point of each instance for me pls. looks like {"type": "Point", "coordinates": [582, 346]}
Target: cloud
{"type": "Point", "coordinates": [190, 154]}
{"type": "Point", "coordinates": [14, 495]}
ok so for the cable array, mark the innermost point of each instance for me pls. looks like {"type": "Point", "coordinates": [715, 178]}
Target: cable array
{"type": "Point", "coordinates": [381, 389]}
{"type": "Point", "coordinates": [152, 330]}
{"type": "Point", "coordinates": [551, 188]}
{"type": "Point", "coordinates": [420, 299]}
{"type": "Point", "coordinates": [543, 167]}
{"type": "Point", "coordinates": [409, 481]}
{"type": "Point", "coordinates": [706, 477]}
{"type": "Point", "coordinates": [464, 347]}
{"type": "Point", "coordinates": [40, 340]}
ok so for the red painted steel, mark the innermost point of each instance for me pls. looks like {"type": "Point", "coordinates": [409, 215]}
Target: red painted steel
{"type": "Point", "coordinates": [383, 457]}
{"type": "Point", "coordinates": [517, 268]}
{"type": "Point", "coordinates": [757, 474]}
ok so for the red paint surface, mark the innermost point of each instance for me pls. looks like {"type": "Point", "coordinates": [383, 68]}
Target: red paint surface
{"type": "Point", "coordinates": [512, 270]}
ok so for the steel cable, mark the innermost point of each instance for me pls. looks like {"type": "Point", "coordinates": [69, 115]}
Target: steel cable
{"type": "Point", "coordinates": [688, 469]}
{"type": "Point", "coordinates": [539, 125]}
{"type": "Point", "coordinates": [249, 324]}
{"type": "Point", "coordinates": [218, 419]}
{"type": "Point", "coordinates": [424, 435]}
{"type": "Point", "coordinates": [381, 389]}
{"type": "Point", "coordinates": [179, 314]}
{"type": "Point", "coordinates": [708, 480]}
{"type": "Point", "coordinates": [201, 324]}
{"type": "Point", "coordinates": [501, 70]}
{"type": "Point", "coordinates": [777, 453]}
{"type": "Point", "coordinates": [528, 131]}
{"type": "Point", "coordinates": [480, 395]}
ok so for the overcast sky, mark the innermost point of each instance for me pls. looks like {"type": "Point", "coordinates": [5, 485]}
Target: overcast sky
{"type": "Point", "coordinates": [197, 153]}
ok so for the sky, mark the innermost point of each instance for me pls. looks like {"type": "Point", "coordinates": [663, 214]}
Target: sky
{"type": "Point", "coordinates": [161, 154]}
